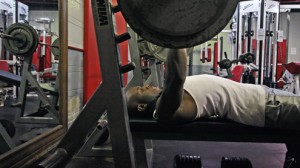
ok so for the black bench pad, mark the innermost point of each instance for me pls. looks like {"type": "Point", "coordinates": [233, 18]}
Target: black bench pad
{"type": "Point", "coordinates": [214, 129]}
{"type": "Point", "coordinates": [10, 78]}
{"type": "Point", "coordinates": [16, 80]}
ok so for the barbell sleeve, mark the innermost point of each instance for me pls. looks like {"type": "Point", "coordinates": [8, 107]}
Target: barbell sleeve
{"type": "Point", "coordinates": [6, 36]}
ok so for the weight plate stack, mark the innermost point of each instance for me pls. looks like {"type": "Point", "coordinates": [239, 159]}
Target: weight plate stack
{"type": "Point", "coordinates": [27, 39]}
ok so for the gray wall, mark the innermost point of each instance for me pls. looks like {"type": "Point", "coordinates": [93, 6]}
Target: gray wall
{"type": "Point", "coordinates": [294, 37]}
{"type": "Point", "coordinates": [75, 84]}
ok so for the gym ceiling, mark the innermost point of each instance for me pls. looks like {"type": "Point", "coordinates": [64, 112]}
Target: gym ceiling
{"type": "Point", "coordinates": [41, 4]}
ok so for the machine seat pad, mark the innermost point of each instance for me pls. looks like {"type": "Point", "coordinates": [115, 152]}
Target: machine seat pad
{"type": "Point", "coordinates": [10, 77]}
{"type": "Point", "coordinates": [50, 89]}
{"type": "Point", "coordinates": [16, 80]}
{"type": "Point", "coordinates": [211, 129]}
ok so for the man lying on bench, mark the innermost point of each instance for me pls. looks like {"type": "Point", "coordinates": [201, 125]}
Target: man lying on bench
{"type": "Point", "coordinates": [184, 99]}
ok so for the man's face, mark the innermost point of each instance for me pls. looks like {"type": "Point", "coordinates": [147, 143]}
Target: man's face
{"type": "Point", "coordinates": [146, 94]}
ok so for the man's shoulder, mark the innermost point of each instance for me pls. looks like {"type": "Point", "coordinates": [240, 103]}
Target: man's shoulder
{"type": "Point", "coordinates": [203, 77]}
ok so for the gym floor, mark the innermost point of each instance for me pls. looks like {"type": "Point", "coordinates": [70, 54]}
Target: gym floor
{"type": "Point", "coordinates": [261, 155]}
{"type": "Point", "coordinates": [24, 131]}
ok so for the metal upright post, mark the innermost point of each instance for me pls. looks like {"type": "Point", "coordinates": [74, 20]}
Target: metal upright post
{"type": "Point", "coordinates": [109, 97]}
{"type": "Point", "coordinates": [261, 44]}
{"type": "Point", "coordinates": [249, 33]}
{"type": "Point", "coordinates": [63, 64]}
{"type": "Point", "coordinates": [135, 58]}
{"type": "Point", "coordinates": [275, 24]}
{"type": "Point", "coordinates": [288, 19]}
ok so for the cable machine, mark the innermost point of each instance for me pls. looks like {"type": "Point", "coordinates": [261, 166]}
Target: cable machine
{"type": "Point", "coordinates": [257, 34]}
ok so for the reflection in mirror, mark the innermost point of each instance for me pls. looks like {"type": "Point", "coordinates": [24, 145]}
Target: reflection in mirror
{"type": "Point", "coordinates": [29, 66]}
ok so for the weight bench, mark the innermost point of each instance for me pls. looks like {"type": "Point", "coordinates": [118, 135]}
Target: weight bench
{"type": "Point", "coordinates": [212, 129]}
{"type": "Point", "coordinates": [16, 80]}
{"type": "Point", "coordinates": [27, 81]}
{"type": "Point", "coordinates": [10, 78]}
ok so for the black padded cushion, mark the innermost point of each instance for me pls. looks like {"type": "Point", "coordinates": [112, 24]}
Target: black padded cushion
{"type": "Point", "coordinates": [10, 78]}
{"type": "Point", "coordinates": [14, 79]}
{"type": "Point", "coordinates": [211, 129]}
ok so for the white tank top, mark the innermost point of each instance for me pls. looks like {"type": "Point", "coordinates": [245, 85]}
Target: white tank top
{"type": "Point", "coordinates": [243, 103]}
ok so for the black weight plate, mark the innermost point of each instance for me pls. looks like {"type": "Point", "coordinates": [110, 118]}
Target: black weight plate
{"type": "Point", "coordinates": [177, 23]}
{"type": "Point", "coordinates": [30, 39]}
{"type": "Point", "coordinates": [55, 48]}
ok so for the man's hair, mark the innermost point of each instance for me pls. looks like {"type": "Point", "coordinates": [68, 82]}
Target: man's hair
{"type": "Point", "coordinates": [133, 111]}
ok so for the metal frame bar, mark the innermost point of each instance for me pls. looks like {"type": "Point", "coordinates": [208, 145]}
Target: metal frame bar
{"type": "Point", "coordinates": [90, 149]}
{"type": "Point", "coordinates": [21, 102]}
{"type": "Point", "coordinates": [6, 143]}
{"type": "Point", "coordinates": [273, 8]}
{"type": "Point", "coordinates": [288, 34]}
{"type": "Point", "coordinates": [107, 97]}
{"type": "Point", "coordinates": [135, 58]}
{"type": "Point", "coordinates": [31, 150]}
{"type": "Point", "coordinates": [293, 6]}
{"type": "Point", "coordinates": [63, 63]}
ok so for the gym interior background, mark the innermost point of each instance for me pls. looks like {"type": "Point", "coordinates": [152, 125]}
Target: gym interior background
{"type": "Point", "coordinates": [67, 49]}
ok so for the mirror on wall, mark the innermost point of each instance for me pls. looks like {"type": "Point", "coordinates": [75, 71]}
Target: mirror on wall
{"type": "Point", "coordinates": [29, 64]}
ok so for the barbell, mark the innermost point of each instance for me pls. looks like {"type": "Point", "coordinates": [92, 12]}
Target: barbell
{"type": "Point", "coordinates": [177, 23]}
{"type": "Point", "coordinates": [160, 53]}
{"type": "Point", "coordinates": [20, 39]}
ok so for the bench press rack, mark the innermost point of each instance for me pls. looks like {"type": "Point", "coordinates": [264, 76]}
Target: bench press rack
{"type": "Point", "coordinates": [127, 136]}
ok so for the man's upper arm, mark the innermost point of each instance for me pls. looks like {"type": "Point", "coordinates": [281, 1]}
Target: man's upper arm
{"type": "Point", "coordinates": [173, 91]}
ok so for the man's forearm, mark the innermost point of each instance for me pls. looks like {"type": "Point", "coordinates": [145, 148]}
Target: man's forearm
{"type": "Point", "coordinates": [176, 66]}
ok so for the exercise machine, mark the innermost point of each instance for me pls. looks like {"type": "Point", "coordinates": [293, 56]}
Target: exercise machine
{"type": "Point", "coordinates": [257, 33]}
{"type": "Point", "coordinates": [21, 40]}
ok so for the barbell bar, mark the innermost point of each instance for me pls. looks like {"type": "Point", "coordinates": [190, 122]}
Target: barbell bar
{"type": "Point", "coordinates": [9, 37]}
